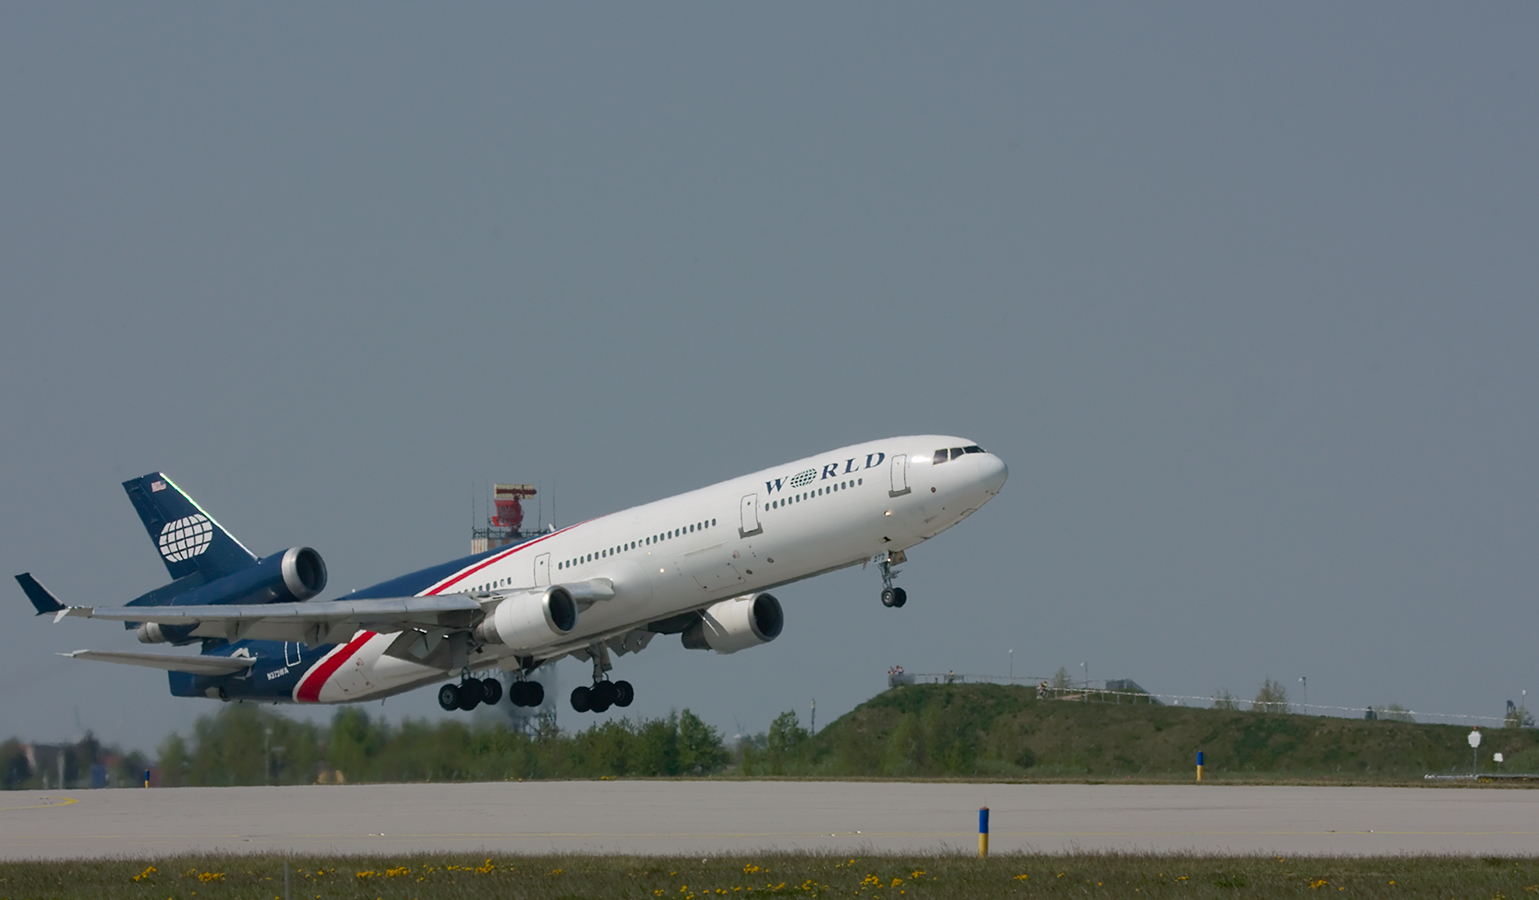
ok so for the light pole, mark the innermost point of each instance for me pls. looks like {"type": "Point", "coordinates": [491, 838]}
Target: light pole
{"type": "Point", "coordinates": [1086, 667]}
{"type": "Point", "coordinates": [1304, 680]}
{"type": "Point", "coordinates": [1012, 665]}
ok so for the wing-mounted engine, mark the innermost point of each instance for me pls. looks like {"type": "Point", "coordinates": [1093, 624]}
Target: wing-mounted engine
{"type": "Point", "coordinates": [295, 575]}
{"type": "Point", "coordinates": [736, 624]}
{"type": "Point", "coordinates": [530, 619]}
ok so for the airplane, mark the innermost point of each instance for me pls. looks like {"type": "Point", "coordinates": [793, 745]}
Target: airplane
{"type": "Point", "coordinates": [700, 565]}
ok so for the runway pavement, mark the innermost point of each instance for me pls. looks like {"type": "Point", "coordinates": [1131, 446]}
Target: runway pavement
{"type": "Point", "coordinates": [716, 817]}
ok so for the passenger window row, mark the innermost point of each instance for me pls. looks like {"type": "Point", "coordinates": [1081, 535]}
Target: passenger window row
{"type": "Point", "coordinates": [638, 543]}
{"type": "Point", "coordinates": [819, 492]}
{"type": "Point", "coordinates": [952, 453]}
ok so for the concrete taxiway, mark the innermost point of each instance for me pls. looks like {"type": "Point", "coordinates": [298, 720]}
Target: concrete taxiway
{"type": "Point", "coordinates": [713, 817]}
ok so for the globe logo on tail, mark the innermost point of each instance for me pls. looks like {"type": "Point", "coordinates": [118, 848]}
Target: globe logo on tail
{"type": "Point", "coordinates": [185, 538]}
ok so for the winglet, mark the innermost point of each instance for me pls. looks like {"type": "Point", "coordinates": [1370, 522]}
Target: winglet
{"type": "Point", "coordinates": [41, 599]}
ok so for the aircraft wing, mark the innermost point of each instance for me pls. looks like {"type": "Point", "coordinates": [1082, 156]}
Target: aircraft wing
{"type": "Point", "coordinates": [197, 665]}
{"type": "Point", "coordinates": [313, 623]}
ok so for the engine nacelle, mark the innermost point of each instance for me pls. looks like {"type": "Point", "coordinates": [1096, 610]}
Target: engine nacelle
{"type": "Point", "coordinates": [736, 624]}
{"type": "Point", "coordinates": [529, 620]}
{"type": "Point", "coordinates": [296, 574]}
{"type": "Point", "coordinates": [303, 571]}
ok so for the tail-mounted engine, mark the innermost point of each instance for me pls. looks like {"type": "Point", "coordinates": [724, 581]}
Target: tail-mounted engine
{"type": "Point", "coordinates": [529, 620]}
{"type": "Point", "coordinates": [736, 624]}
{"type": "Point", "coordinates": [292, 576]}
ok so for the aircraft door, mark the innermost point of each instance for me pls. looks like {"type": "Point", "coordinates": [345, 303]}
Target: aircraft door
{"type": "Point", "coordinates": [750, 517]}
{"type": "Point", "coordinates": [290, 653]}
{"type": "Point", "coordinates": [542, 570]}
{"type": "Point", "coordinates": [899, 476]}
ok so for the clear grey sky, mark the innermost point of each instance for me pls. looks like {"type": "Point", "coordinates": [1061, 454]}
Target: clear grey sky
{"type": "Point", "coordinates": [1245, 296]}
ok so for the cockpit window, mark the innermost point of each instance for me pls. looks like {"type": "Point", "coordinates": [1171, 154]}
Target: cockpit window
{"type": "Point", "coordinates": [940, 457]}
{"type": "Point", "coordinates": [974, 449]}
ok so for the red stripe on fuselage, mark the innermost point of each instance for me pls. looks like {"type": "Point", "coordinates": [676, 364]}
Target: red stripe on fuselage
{"type": "Point", "coordinates": [461, 576]}
{"type": "Point", "coordinates": [310, 688]}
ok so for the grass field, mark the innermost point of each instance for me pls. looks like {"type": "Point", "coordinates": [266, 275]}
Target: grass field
{"type": "Point", "coordinates": [907, 877]}
{"type": "Point", "coordinates": [1005, 732]}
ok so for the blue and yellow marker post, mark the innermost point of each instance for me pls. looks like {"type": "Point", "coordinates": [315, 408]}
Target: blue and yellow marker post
{"type": "Point", "coordinates": [983, 832]}
{"type": "Point", "coordinates": [1199, 765]}
{"type": "Point", "coordinates": [146, 777]}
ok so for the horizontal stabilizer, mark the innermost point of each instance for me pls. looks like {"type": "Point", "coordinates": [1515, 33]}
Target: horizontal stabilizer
{"type": "Point", "coordinates": [41, 599]}
{"type": "Point", "coordinates": [196, 665]}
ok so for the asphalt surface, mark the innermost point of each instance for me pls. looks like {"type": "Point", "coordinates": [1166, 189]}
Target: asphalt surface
{"type": "Point", "coordinates": [706, 817]}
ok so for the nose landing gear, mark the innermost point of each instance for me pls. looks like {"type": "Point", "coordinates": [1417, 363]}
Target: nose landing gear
{"type": "Point", "coordinates": [892, 597]}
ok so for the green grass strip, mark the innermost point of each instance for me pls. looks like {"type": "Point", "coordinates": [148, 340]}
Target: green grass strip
{"type": "Point", "coordinates": [899, 877]}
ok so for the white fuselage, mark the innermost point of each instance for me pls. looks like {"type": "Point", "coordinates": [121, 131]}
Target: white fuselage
{"type": "Point", "coordinates": [688, 551]}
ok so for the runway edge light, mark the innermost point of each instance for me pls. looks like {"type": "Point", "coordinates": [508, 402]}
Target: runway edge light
{"type": "Point", "coordinates": [983, 832]}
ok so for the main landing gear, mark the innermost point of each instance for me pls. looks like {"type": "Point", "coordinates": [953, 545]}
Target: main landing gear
{"type": "Point", "coordinates": [892, 597]}
{"type": "Point", "coordinates": [473, 692]}
{"type": "Point", "coordinates": [604, 693]}
{"type": "Point", "coordinates": [470, 693]}
{"type": "Point", "coordinates": [526, 693]}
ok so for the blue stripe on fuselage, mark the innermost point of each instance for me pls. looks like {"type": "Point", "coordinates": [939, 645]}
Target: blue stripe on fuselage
{"type": "Point", "coordinates": [415, 583]}
{"type": "Point", "coordinates": [271, 679]}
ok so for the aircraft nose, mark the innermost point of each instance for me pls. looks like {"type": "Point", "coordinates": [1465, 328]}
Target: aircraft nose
{"type": "Point", "coordinates": [992, 472]}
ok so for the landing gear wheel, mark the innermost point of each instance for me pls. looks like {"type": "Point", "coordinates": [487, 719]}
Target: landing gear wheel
{"type": "Point", "coordinates": [582, 699]}
{"type": "Point", "coordinates": [491, 691]}
{"type": "Point", "coordinates": [470, 695]}
{"type": "Point", "coordinates": [624, 694]}
{"type": "Point", "coordinates": [604, 695]}
{"type": "Point", "coordinates": [899, 597]}
{"type": "Point", "coordinates": [449, 697]}
{"type": "Point", "coordinates": [527, 693]}
{"type": "Point", "coordinates": [890, 597]}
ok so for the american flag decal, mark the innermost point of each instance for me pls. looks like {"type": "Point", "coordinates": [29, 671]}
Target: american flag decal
{"type": "Point", "coordinates": [157, 486]}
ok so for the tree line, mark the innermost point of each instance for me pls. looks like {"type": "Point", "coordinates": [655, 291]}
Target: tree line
{"type": "Point", "coordinates": [247, 744]}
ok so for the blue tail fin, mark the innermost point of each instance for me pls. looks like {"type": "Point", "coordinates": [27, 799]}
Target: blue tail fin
{"type": "Point", "coordinates": [189, 540]}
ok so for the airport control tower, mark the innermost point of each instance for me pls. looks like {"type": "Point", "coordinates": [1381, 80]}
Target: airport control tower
{"type": "Point", "coordinates": [506, 525]}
